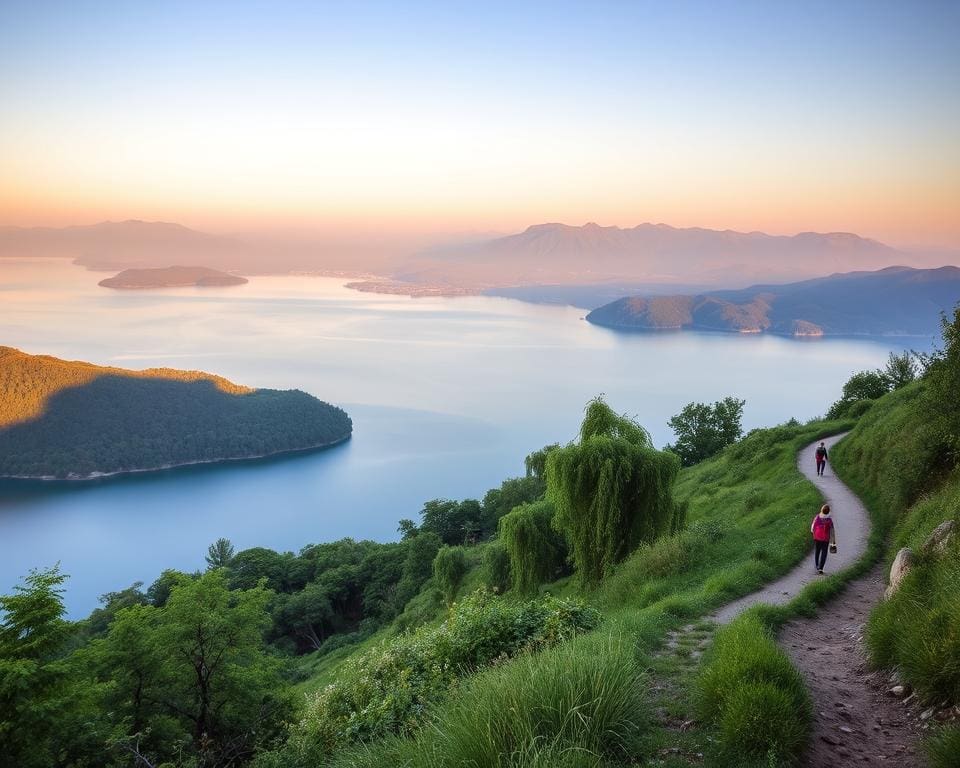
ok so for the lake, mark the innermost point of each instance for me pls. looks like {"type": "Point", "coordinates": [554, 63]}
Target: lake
{"type": "Point", "coordinates": [447, 397]}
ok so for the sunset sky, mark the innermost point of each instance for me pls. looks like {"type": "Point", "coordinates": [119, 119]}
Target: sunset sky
{"type": "Point", "coordinates": [482, 116]}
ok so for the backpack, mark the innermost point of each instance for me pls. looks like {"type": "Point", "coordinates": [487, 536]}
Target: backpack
{"type": "Point", "coordinates": [821, 528]}
{"type": "Point", "coordinates": [821, 452]}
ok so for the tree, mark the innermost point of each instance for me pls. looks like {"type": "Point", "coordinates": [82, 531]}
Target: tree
{"type": "Point", "coordinates": [417, 566]}
{"type": "Point", "coordinates": [535, 548]}
{"type": "Point", "coordinates": [159, 592]}
{"type": "Point", "coordinates": [249, 566]}
{"type": "Point", "coordinates": [512, 493]}
{"type": "Point", "coordinates": [32, 683]}
{"type": "Point", "coordinates": [900, 370]}
{"type": "Point", "coordinates": [407, 528]}
{"type": "Point", "coordinates": [452, 521]}
{"type": "Point", "coordinates": [702, 430]}
{"type": "Point", "coordinates": [309, 614]}
{"type": "Point", "coordinates": [611, 489]}
{"type": "Point", "coordinates": [449, 568]}
{"type": "Point", "coordinates": [865, 385]}
{"type": "Point", "coordinates": [536, 462]}
{"type": "Point", "coordinates": [496, 567]}
{"type": "Point", "coordinates": [219, 554]}
{"type": "Point", "coordinates": [217, 678]}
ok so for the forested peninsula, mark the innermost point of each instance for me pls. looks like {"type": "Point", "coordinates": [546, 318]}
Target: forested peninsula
{"type": "Point", "coordinates": [897, 301]}
{"type": "Point", "coordinates": [64, 419]}
{"type": "Point", "coordinates": [171, 277]}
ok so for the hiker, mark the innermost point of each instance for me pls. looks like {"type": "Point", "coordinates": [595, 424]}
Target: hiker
{"type": "Point", "coordinates": [824, 537]}
{"type": "Point", "coordinates": [821, 458]}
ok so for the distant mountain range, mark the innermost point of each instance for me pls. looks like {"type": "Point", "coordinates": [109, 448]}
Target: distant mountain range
{"type": "Point", "coordinates": [892, 301]}
{"type": "Point", "coordinates": [116, 245]}
{"type": "Point", "coordinates": [558, 254]}
{"type": "Point", "coordinates": [548, 257]}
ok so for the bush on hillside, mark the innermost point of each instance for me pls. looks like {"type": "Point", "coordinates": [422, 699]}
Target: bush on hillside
{"type": "Point", "coordinates": [391, 688]}
{"type": "Point", "coordinates": [750, 691]}
{"type": "Point", "coordinates": [580, 705]}
{"type": "Point", "coordinates": [942, 394]}
{"type": "Point", "coordinates": [496, 567]}
{"type": "Point", "coordinates": [612, 490]}
{"type": "Point", "coordinates": [537, 551]}
{"type": "Point", "coordinates": [449, 568]}
{"type": "Point", "coordinates": [918, 629]}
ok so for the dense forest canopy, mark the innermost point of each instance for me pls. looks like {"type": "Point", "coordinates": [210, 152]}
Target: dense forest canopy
{"type": "Point", "coordinates": [62, 418]}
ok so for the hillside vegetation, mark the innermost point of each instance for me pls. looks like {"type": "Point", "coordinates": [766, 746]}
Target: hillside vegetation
{"type": "Point", "coordinates": [902, 457]}
{"type": "Point", "coordinates": [586, 677]}
{"type": "Point", "coordinates": [71, 419]}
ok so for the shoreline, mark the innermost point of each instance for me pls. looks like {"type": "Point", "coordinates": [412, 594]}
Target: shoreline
{"type": "Point", "coordinates": [74, 478]}
{"type": "Point", "coordinates": [751, 332]}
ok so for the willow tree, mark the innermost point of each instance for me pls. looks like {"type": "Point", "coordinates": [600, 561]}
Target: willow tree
{"type": "Point", "coordinates": [449, 568]}
{"type": "Point", "coordinates": [535, 548]}
{"type": "Point", "coordinates": [612, 490]}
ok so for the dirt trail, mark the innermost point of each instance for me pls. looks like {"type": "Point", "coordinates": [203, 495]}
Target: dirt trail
{"type": "Point", "coordinates": [856, 721]}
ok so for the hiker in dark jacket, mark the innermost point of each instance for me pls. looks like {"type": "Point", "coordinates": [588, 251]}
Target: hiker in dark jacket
{"type": "Point", "coordinates": [821, 458]}
{"type": "Point", "coordinates": [824, 537]}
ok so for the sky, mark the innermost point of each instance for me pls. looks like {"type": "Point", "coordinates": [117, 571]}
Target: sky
{"type": "Point", "coordinates": [456, 117]}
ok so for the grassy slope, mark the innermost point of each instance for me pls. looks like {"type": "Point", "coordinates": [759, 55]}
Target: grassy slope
{"type": "Point", "coordinates": [748, 515]}
{"type": "Point", "coordinates": [891, 461]}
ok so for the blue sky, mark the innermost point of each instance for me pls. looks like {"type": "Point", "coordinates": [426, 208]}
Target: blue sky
{"type": "Point", "coordinates": [785, 116]}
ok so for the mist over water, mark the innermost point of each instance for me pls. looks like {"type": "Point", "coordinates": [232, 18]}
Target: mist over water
{"type": "Point", "coordinates": [447, 397]}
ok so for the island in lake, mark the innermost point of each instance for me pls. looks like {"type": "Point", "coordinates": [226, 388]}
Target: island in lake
{"type": "Point", "coordinates": [64, 419]}
{"type": "Point", "coordinates": [171, 277]}
{"type": "Point", "coordinates": [897, 301]}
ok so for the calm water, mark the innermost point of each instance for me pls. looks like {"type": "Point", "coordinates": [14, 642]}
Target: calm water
{"type": "Point", "coordinates": [447, 397]}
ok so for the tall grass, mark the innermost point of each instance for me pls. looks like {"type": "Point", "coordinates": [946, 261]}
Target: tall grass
{"type": "Point", "coordinates": [575, 705]}
{"type": "Point", "coordinates": [889, 459]}
{"type": "Point", "coordinates": [748, 689]}
{"type": "Point", "coordinates": [943, 748]}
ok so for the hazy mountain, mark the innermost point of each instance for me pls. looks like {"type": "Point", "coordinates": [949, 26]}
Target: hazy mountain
{"type": "Point", "coordinates": [610, 260]}
{"type": "Point", "coordinates": [558, 254]}
{"type": "Point", "coordinates": [892, 301]}
{"type": "Point", "coordinates": [118, 245]}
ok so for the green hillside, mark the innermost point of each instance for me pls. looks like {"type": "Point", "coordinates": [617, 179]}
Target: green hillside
{"type": "Point", "coordinates": [62, 418]}
{"type": "Point", "coordinates": [562, 620]}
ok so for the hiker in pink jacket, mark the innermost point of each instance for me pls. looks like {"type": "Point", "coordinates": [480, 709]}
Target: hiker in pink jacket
{"type": "Point", "coordinates": [824, 537]}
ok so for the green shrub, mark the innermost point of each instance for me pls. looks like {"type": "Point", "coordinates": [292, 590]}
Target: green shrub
{"type": "Point", "coordinates": [612, 491]}
{"type": "Point", "coordinates": [496, 567]}
{"type": "Point", "coordinates": [449, 568]}
{"type": "Point", "coordinates": [943, 748]}
{"type": "Point", "coordinates": [536, 549]}
{"type": "Point", "coordinates": [572, 705]}
{"type": "Point", "coordinates": [918, 628]}
{"type": "Point", "coordinates": [748, 688]}
{"type": "Point", "coordinates": [760, 721]}
{"type": "Point", "coordinates": [390, 688]}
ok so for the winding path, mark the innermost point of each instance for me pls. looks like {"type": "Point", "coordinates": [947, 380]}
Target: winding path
{"type": "Point", "coordinates": [853, 529]}
{"type": "Point", "coordinates": [856, 721]}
